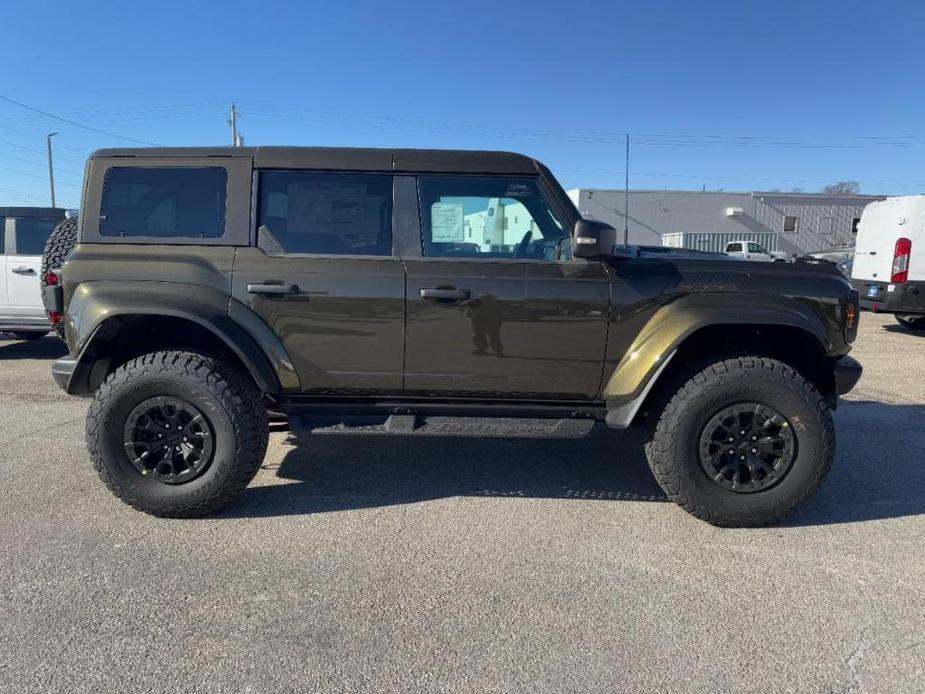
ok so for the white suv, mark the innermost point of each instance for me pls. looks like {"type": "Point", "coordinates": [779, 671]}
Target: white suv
{"type": "Point", "coordinates": [23, 233]}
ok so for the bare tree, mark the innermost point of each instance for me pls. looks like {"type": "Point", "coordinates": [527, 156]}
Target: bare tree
{"type": "Point", "coordinates": [842, 188]}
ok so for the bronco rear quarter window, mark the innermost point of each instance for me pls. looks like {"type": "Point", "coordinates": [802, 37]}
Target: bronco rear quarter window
{"type": "Point", "coordinates": [167, 202]}
{"type": "Point", "coordinates": [309, 212]}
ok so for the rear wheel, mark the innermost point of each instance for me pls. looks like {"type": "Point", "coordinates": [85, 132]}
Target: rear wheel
{"type": "Point", "coordinates": [911, 321]}
{"type": "Point", "coordinates": [177, 434]}
{"type": "Point", "coordinates": [59, 245]}
{"type": "Point", "coordinates": [742, 442]}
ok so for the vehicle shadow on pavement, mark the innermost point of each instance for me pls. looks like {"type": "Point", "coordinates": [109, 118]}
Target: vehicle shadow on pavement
{"type": "Point", "coordinates": [903, 330]}
{"type": "Point", "coordinates": [344, 471]}
{"type": "Point", "coordinates": [48, 347]}
{"type": "Point", "coordinates": [879, 469]}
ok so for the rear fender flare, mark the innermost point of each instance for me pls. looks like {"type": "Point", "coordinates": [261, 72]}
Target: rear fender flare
{"type": "Point", "coordinates": [93, 304]}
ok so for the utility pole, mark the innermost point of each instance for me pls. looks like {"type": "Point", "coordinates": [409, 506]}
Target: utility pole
{"type": "Point", "coordinates": [235, 141]}
{"type": "Point", "coordinates": [51, 169]}
{"type": "Point", "coordinates": [626, 196]}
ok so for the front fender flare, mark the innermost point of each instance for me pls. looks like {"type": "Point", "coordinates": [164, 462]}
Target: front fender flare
{"type": "Point", "coordinates": [672, 324]}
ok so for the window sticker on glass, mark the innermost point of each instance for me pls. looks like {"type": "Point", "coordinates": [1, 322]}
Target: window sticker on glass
{"type": "Point", "coordinates": [277, 205]}
{"type": "Point", "coordinates": [446, 222]}
{"type": "Point", "coordinates": [314, 209]}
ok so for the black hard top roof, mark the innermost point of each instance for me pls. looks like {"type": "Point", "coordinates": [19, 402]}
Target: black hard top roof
{"type": "Point", "coordinates": [39, 212]}
{"type": "Point", "coordinates": [350, 159]}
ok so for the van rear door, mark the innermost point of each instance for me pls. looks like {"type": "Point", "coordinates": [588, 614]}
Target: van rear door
{"type": "Point", "coordinates": [877, 233]}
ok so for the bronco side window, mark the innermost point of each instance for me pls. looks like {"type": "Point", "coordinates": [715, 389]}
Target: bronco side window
{"type": "Point", "coordinates": [327, 213]}
{"type": "Point", "coordinates": [490, 217]}
{"type": "Point", "coordinates": [167, 202]}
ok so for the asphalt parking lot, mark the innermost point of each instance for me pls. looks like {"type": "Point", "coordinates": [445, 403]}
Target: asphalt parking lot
{"type": "Point", "coordinates": [429, 564]}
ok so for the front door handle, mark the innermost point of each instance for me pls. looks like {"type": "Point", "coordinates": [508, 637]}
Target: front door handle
{"type": "Point", "coordinates": [23, 270]}
{"type": "Point", "coordinates": [273, 289]}
{"type": "Point", "coordinates": [445, 294]}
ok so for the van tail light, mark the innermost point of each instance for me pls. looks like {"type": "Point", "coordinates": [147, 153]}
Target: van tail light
{"type": "Point", "coordinates": [54, 317]}
{"type": "Point", "coordinates": [900, 272]}
{"type": "Point", "coordinates": [52, 279]}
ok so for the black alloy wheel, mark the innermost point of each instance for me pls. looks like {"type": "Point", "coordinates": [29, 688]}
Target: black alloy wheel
{"type": "Point", "coordinates": [168, 440]}
{"type": "Point", "coordinates": [747, 447]}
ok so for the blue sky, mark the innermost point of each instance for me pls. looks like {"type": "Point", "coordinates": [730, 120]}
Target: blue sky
{"type": "Point", "coordinates": [732, 95]}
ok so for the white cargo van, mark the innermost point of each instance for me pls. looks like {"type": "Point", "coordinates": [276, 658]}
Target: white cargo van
{"type": "Point", "coordinates": [889, 258]}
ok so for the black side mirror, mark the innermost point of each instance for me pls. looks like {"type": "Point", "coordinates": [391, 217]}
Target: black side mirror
{"type": "Point", "coordinates": [594, 239]}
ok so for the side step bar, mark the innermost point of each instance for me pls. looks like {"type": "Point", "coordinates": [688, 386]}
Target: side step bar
{"type": "Point", "coordinates": [436, 425]}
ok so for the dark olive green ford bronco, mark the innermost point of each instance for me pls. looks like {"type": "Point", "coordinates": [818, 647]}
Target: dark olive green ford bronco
{"type": "Point", "coordinates": [419, 292]}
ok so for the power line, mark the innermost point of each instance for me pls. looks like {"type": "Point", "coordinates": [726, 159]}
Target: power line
{"type": "Point", "coordinates": [593, 137]}
{"type": "Point", "coordinates": [41, 178]}
{"type": "Point", "coordinates": [23, 195]}
{"type": "Point", "coordinates": [775, 144]}
{"type": "Point", "coordinates": [611, 172]}
{"type": "Point", "coordinates": [39, 151]}
{"type": "Point", "coordinates": [157, 109]}
{"type": "Point", "coordinates": [78, 125]}
{"type": "Point", "coordinates": [35, 163]}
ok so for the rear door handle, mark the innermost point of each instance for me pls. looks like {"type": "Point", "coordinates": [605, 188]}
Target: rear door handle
{"type": "Point", "coordinates": [23, 270]}
{"type": "Point", "coordinates": [445, 294]}
{"type": "Point", "coordinates": [273, 289]}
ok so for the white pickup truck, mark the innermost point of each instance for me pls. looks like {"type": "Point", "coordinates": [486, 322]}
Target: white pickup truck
{"type": "Point", "coordinates": [23, 233]}
{"type": "Point", "coordinates": [749, 250]}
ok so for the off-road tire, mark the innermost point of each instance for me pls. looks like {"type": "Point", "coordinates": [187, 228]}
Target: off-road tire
{"type": "Point", "coordinates": [706, 389]}
{"type": "Point", "coordinates": [59, 245]}
{"type": "Point", "coordinates": [227, 398]}
{"type": "Point", "coordinates": [910, 321]}
{"type": "Point", "coordinates": [27, 335]}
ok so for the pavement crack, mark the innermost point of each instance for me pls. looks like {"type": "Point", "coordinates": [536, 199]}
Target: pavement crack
{"type": "Point", "coordinates": [851, 660]}
{"type": "Point", "coordinates": [35, 432]}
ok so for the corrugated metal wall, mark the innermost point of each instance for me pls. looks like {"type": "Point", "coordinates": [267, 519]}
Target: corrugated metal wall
{"type": "Point", "coordinates": [823, 221]}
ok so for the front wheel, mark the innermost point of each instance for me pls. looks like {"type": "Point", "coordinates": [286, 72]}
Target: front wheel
{"type": "Point", "coordinates": [177, 434]}
{"type": "Point", "coordinates": [913, 322]}
{"type": "Point", "coordinates": [742, 442]}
